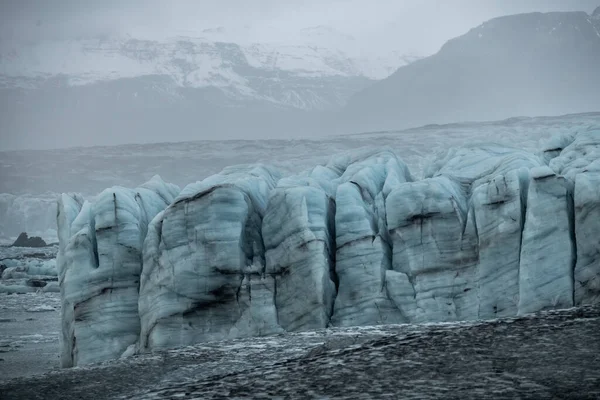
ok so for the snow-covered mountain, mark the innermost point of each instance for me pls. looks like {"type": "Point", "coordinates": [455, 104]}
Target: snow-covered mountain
{"type": "Point", "coordinates": [99, 91]}
{"type": "Point", "coordinates": [279, 73]}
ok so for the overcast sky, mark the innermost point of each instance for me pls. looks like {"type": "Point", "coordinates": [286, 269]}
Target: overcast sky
{"type": "Point", "coordinates": [418, 25]}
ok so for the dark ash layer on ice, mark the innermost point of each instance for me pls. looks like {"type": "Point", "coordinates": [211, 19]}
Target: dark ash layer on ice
{"type": "Point", "coordinates": [491, 231]}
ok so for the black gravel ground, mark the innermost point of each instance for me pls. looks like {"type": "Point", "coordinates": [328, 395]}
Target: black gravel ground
{"type": "Point", "coordinates": [550, 355]}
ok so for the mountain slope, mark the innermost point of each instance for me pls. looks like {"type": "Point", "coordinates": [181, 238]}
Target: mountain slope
{"type": "Point", "coordinates": [528, 64]}
{"type": "Point", "coordinates": [282, 75]}
{"type": "Point", "coordinates": [111, 90]}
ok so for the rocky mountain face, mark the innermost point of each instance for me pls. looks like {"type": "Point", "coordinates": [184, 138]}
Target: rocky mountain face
{"type": "Point", "coordinates": [104, 87]}
{"type": "Point", "coordinates": [527, 64]}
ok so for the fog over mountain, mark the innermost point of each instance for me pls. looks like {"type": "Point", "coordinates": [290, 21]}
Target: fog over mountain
{"type": "Point", "coordinates": [527, 64]}
{"type": "Point", "coordinates": [104, 73]}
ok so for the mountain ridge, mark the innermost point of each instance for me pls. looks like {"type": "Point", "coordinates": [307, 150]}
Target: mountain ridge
{"type": "Point", "coordinates": [523, 64]}
{"type": "Point", "coordinates": [189, 63]}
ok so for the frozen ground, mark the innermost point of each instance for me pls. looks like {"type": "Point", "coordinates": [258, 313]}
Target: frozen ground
{"type": "Point", "coordinates": [552, 354]}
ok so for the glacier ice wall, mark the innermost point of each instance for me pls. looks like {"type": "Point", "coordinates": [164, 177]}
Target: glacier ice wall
{"type": "Point", "coordinates": [432, 249]}
{"type": "Point", "coordinates": [68, 208]}
{"type": "Point", "coordinates": [587, 238]}
{"type": "Point", "coordinates": [300, 252]}
{"type": "Point", "coordinates": [579, 162]}
{"type": "Point", "coordinates": [363, 246]}
{"type": "Point", "coordinates": [204, 263]}
{"type": "Point", "coordinates": [490, 231]}
{"type": "Point", "coordinates": [547, 249]}
{"type": "Point", "coordinates": [100, 266]}
{"type": "Point", "coordinates": [498, 214]}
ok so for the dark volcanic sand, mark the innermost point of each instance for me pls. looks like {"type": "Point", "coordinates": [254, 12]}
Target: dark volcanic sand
{"type": "Point", "coordinates": [553, 355]}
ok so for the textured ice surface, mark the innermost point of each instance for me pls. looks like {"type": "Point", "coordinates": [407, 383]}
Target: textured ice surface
{"type": "Point", "coordinates": [580, 155]}
{"type": "Point", "coordinates": [363, 246]}
{"type": "Point", "coordinates": [547, 248]}
{"type": "Point", "coordinates": [204, 271]}
{"type": "Point", "coordinates": [28, 267]}
{"type": "Point", "coordinates": [579, 161]}
{"type": "Point", "coordinates": [102, 265]}
{"type": "Point", "coordinates": [473, 165]}
{"type": "Point", "coordinates": [587, 238]}
{"type": "Point", "coordinates": [68, 208]}
{"type": "Point", "coordinates": [491, 231]}
{"type": "Point", "coordinates": [300, 252]}
{"type": "Point", "coordinates": [498, 212]}
{"type": "Point", "coordinates": [431, 246]}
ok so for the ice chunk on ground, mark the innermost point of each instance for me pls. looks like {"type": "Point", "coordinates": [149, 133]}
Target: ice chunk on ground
{"type": "Point", "coordinates": [69, 206]}
{"type": "Point", "coordinates": [28, 267]}
{"type": "Point", "coordinates": [40, 308]}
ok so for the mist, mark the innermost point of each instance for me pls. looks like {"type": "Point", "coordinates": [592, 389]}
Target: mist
{"type": "Point", "coordinates": [422, 25]}
{"type": "Point", "coordinates": [115, 72]}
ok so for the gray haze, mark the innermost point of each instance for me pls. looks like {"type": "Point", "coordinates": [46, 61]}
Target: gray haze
{"type": "Point", "coordinates": [48, 112]}
{"type": "Point", "coordinates": [406, 25]}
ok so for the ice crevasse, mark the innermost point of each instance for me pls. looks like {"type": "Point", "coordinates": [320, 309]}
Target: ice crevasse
{"type": "Point", "coordinates": [490, 231]}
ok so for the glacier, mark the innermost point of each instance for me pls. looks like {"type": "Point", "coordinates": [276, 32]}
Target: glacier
{"type": "Point", "coordinates": [33, 179]}
{"type": "Point", "coordinates": [300, 253]}
{"type": "Point", "coordinates": [99, 268]}
{"type": "Point", "coordinates": [363, 245]}
{"type": "Point", "coordinates": [204, 262]}
{"type": "Point", "coordinates": [489, 231]}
